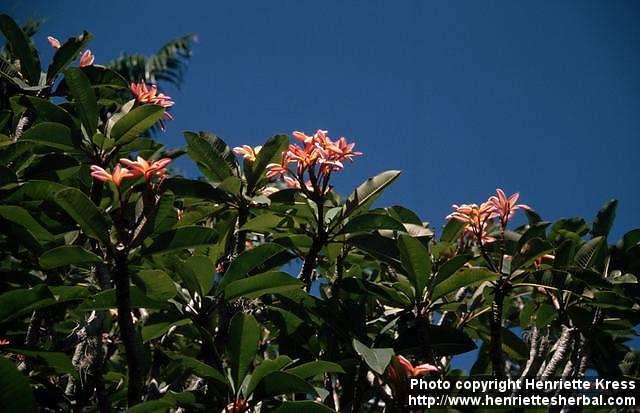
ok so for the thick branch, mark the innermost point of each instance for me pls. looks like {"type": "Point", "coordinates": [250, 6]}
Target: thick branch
{"type": "Point", "coordinates": [561, 353]}
{"type": "Point", "coordinates": [534, 344]}
{"type": "Point", "coordinates": [127, 330]}
{"type": "Point", "coordinates": [495, 346]}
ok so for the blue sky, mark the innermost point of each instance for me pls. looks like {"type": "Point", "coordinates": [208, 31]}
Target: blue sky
{"type": "Point", "coordinates": [537, 97]}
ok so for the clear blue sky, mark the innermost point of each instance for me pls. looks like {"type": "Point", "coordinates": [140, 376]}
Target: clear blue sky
{"type": "Point", "coordinates": [537, 97]}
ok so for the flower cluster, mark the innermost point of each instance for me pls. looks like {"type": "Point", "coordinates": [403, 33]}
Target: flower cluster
{"type": "Point", "coordinates": [131, 169]}
{"type": "Point", "coordinates": [316, 155]}
{"type": "Point", "coordinates": [145, 94]}
{"type": "Point", "coordinates": [478, 217]}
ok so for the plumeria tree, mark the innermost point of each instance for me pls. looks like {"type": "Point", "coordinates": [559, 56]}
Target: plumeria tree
{"type": "Point", "coordinates": [257, 287]}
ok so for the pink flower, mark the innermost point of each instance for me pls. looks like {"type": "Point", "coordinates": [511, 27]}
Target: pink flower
{"type": "Point", "coordinates": [505, 207]}
{"type": "Point", "coordinates": [247, 152]}
{"type": "Point", "coordinates": [119, 174]}
{"type": "Point", "coordinates": [279, 170]}
{"type": "Point", "coordinates": [55, 43]}
{"type": "Point", "coordinates": [475, 218]}
{"type": "Point", "coordinates": [402, 369]}
{"type": "Point", "coordinates": [87, 58]}
{"type": "Point", "coordinates": [316, 156]}
{"type": "Point", "coordinates": [142, 167]}
{"type": "Point", "coordinates": [144, 94]}
{"type": "Point", "coordinates": [4, 342]}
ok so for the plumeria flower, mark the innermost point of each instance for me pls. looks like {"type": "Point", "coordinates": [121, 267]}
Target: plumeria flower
{"type": "Point", "coordinates": [247, 152]}
{"type": "Point", "coordinates": [302, 137]}
{"type": "Point", "coordinates": [342, 150]}
{"type": "Point", "coordinates": [86, 59]}
{"type": "Point", "coordinates": [505, 207]}
{"type": "Point", "coordinates": [410, 371]}
{"type": "Point", "coordinates": [278, 170]}
{"type": "Point", "coordinates": [118, 175]}
{"type": "Point", "coordinates": [400, 370]}
{"type": "Point", "coordinates": [141, 167]}
{"type": "Point", "coordinates": [144, 94]}
{"type": "Point", "coordinates": [476, 220]}
{"type": "Point", "coordinates": [55, 43]}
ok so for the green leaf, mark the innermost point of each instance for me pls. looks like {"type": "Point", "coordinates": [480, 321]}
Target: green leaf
{"type": "Point", "coordinates": [449, 341]}
{"type": "Point", "coordinates": [55, 135]}
{"type": "Point", "coordinates": [47, 111]}
{"type": "Point", "coordinates": [314, 368]}
{"type": "Point", "coordinates": [371, 222]}
{"type": "Point", "coordinates": [306, 406]}
{"type": "Point", "coordinates": [513, 346]}
{"type": "Point", "coordinates": [382, 248]}
{"type": "Point", "coordinates": [157, 284]}
{"type": "Point", "coordinates": [197, 367]}
{"type": "Point", "coordinates": [610, 299]}
{"type": "Point", "coordinates": [416, 261]}
{"type": "Point", "coordinates": [59, 362]}
{"type": "Point", "coordinates": [244, 336]}
{"type": "Point", "coordinates": [368, 191]}
{"type": "Point", "coordinates": [78, 206]}
{"type": "Point", "coordinates": [36, 190]}
{"type": "Point", "coordinates": [67, 53]}
{"type": "Point", "coordinates": [169, 401]}
{"type": "Point", "coordinates": [604, 220]}
{"type": "Point", "coordinates": [198, 274]}
{"type": "Point", "coordinates": [451, 230]}
{"type": "Point", "coordinates": [23, 218]}
{"type": "Point", "coordinates": [589, 252]}
{"type": "Point", "coordinates": [135, 123]}
{"type": "Point", "coordinates": [152, 406]}
{"type": "Point", "coordinates": [245, 263]}
{"type": "Point", "coordinates": [14, 152]}
{"type": "Point", "coordinates": [376, 358]}
{"type": "Point", "coordinates": [106, 300]}
{"type": "Point", "coordinates": [262, 223]}
{"type": "Point", "coordinates": [462, 278]}
{"type": "Point", "coordinates": [445, 340]}
{"type": "Point", "coordinates": [450, 267]}
{"type": "Point", "coordinates": [153, 331]}
{"type": "Point", "coordinates": [279, 382]}
{"type": "Point", "coordinates": [258, 285]}
{"type": "Point", "coordinates": [187, 188]}
{"type": "Point", "coordinates": [271, 152]}
{"type": "Point", "coordinates": [214, 157]}
{"type": "Point", "coordinates": [267, 366]}
{"type": "Point", "coordinates": [16, 394]}
{"type": "Point", "coordinates": [23, 49]}
{"type": "Point", "coordinates": [68, 255]}
{"type": "Point", "coordinates": [181, 238]}
{"type": "Point", "coordinates": [529, 252]}
{"type": "Point", "coordinates": [84, 98]}
{"type": "Point", "coordinates": [14, 302]}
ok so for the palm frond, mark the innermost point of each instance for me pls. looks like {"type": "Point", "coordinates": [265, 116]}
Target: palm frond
{"type": "Point", "coordinates": [168, 65]}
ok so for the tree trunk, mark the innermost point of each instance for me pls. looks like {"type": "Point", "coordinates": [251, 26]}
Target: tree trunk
{"type": "Point", "coordinates": [495, 346]}
{"type": "Point", "coordinates": [127, 330]}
